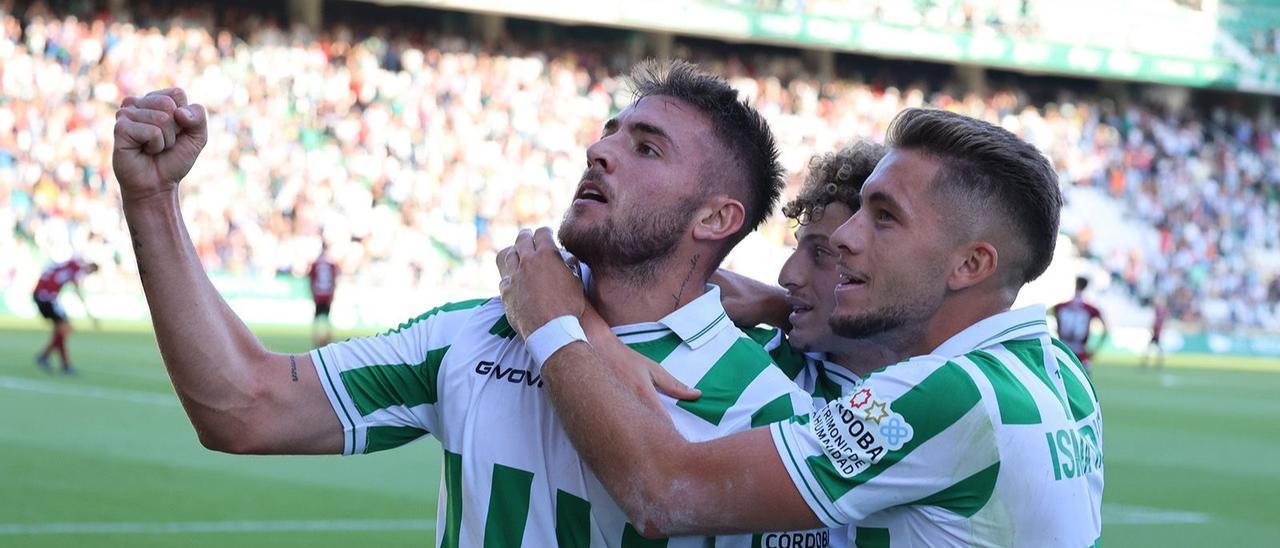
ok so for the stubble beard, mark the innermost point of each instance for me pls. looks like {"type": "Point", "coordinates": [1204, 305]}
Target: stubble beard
{"type": "Point", "coordinates": [634, 246]}
{"type": "Point", "coordinates": [869, 326]}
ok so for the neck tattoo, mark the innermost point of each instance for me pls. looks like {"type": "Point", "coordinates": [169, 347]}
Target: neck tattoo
{"type": "Point", "coordinates": [693, 265]}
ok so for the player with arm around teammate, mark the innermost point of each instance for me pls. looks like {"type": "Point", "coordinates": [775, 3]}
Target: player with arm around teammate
{"type": "Point", "coordinates": [990, 436]}
{"type": "Point", "coordinates": [804, 346]}
{"type": "Point", "coordinates": [802, 342]}
{"type": "Point", "coordinates": [675, 180]}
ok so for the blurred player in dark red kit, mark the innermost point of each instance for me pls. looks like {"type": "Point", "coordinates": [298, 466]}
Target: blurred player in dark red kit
{"type": "Point", "coordinates": [1157, 325]}
{"type": "Point", "coordinates": [324, 280]}
{"type": "Point", "coordinates": [1075, 318]}
{"type": "Point", "coordinates": [46, 296]}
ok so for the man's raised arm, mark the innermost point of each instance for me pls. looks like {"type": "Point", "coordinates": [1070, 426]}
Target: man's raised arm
{"type": "Point", "coordinates": [603, 396]}
{"type": "Point", "coordinates": [240, 397]}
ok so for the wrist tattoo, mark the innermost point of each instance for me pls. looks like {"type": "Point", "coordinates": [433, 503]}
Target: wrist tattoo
{"type": "Point", "coordinates": [293, 367]}
{"type": "Point", "coordinates": [137, 252]}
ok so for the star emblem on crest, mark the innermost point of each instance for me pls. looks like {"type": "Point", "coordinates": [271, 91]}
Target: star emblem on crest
{"type": "Point", "coordinates": [860, 398]}
{"type": "Point", "coordinates": [877, 412]}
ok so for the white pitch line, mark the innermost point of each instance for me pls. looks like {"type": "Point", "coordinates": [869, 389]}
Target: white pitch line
{"type": "Point", "coordinates": [1126, 514]}
{"type": "Point", "coordinates": [186, 527]}
{"type": "Point", "coordinates": [62, 389]}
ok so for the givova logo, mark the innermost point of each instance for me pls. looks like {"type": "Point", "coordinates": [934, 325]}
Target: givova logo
{"type": "Point", "coordinates": [510, 374]}
{"type": "Point", "coordinates": [856, 432]}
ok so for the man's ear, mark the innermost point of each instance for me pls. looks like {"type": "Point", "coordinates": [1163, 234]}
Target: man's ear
{"type": "Point", "coordinates": [718, 219]}
{"type": "Point", "coordinates": [975, 262]}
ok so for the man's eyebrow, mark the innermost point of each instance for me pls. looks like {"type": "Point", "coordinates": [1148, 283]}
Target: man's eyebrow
{"type": "Point", "coordinates": [611, 126]}
{"type": "Point", "coordinates": [812, 237]}
{"type": "Point", "coordinates": [883, 198]}
{"type": "Point", "coordinates": [645, 127]}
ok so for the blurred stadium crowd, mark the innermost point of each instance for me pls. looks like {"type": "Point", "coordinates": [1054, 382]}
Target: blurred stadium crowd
{"type": "Point", "coordinates": [416, 154]}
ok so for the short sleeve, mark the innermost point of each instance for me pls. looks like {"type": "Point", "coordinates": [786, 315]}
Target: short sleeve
{"type": "Point", "coordinates": [384, 388]}
{"type": "Point", "coordinates": [913, 433]}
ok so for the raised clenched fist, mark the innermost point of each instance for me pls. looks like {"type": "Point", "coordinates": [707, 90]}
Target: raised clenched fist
{"type": "Point", "coordinates": [158, 138]}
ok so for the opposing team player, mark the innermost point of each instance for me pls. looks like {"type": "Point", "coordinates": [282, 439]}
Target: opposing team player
{"type": "Point", "coordinates": [1075, 324]}
{"type": "Point", "coordinates": [1159, 312]}
{"type": "Point", "coordinates": [675, 180]}
{"type": "Point", "coordinates": [990, 436]}
{"type": "Point", "coordinates": [323, 277]}
{"type": "Point", "coordinates": [51, 282]}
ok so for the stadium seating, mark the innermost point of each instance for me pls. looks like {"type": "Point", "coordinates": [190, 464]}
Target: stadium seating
{"type": "Point", "coordinates": [416, 153]}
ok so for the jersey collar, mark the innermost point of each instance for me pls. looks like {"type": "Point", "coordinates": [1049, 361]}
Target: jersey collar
{"type": "Point", "coordinates": [700, 320]}
{"type": "Point", "coordinates": [695, 323]}
{"type": "Point", "coordinates": [1022, 323]}
{"type": "Point", "coordinates": [845, 379]}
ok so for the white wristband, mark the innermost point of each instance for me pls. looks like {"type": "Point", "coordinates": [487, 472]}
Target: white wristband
{"type": "Point", "coordinates": [553, 336]}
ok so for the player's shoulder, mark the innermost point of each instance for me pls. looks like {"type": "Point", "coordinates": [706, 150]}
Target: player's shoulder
{"type": "Point", "coordinates": [452, 313]}
{"type": "Point", "coordinates": [746, 361]}
{"type": "Point", "coordinates": [762, 334]}
{"type": "Point", "coordinates": [741, 389]}
{"type": "Point", "coordinates": [933, 374]}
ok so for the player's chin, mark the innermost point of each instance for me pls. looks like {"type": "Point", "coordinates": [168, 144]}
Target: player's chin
{"type": "Point", "coordinates": [801, 338]}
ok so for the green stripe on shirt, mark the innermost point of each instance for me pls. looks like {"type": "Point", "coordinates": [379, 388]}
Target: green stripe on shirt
{"type": "Point", "coordinates": [788, 359]}
{"type": "Point", "coordinates": [447, 307]}
{"type": "Point", "coordinates": [453, 500]}
{"type": "Point", "coordinates": [930, 407]}
{"type": "Point", "coordinates": [871, 537]}
{"type": "Point", "coordinates": [1031, 354]}
{"type": "Point", "coordinates": [1016, 404]}
{"type": "Point", "coordinates": [508, 507]}
{"type": "Point", "coordinates": [1075, 360]}
{"type": "Point", "coordinates": [502, 328]}
{"type": "Point", "coordinates": [725, 382]}
{"type": "Point", "coordinates": [573, 521]}
{"type": "Point", "coordinates": [966, 496]}
{"type": "Point", "coordinates": [778, 409]}
{"type": "Point", "coordinates": [1081, 403]}
{"type": "Point", "coordinates": [632, 539]}
{"type": "Point", "coordinates": [378, 438]}
{"type": "Point", "coordinates": [823, 387]}
{"type": "Point", "coordinates": [380, 386]}
{"type": "Point", "coordinates": [659, 348]}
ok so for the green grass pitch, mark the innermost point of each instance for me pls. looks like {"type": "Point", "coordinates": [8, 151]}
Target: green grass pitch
{"type": "Point", "coordinates": [107, 458]}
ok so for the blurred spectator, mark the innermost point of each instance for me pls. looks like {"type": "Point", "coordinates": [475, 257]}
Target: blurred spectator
{"type": "Point", "coordinates": [412, 153]}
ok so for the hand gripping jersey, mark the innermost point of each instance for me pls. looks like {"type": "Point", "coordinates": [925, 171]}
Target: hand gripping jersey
{"type": "Point", "coordinates": [995, 439]}
{"type": "Point", "coordinates": [511, 476]}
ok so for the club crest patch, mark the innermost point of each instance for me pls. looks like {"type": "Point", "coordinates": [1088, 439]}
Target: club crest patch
{"type": "Point", "coordinates": [858, 429]}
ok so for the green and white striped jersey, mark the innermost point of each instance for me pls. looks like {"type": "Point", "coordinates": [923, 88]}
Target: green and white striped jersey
{"type": "Point", "coordinates": [511, 477]}
{"type": "Point", "coordinates": [822, 379]}
{"type": "Point", "coordinates": [995, 439]}
{"type": "Point", "coordinates": [825, 381]}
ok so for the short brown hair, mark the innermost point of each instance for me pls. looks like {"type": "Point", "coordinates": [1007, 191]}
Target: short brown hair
{"type": "Point", "coordinates": [990, 170]}
{"type": "Point", "coordinates": [834, 177]}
